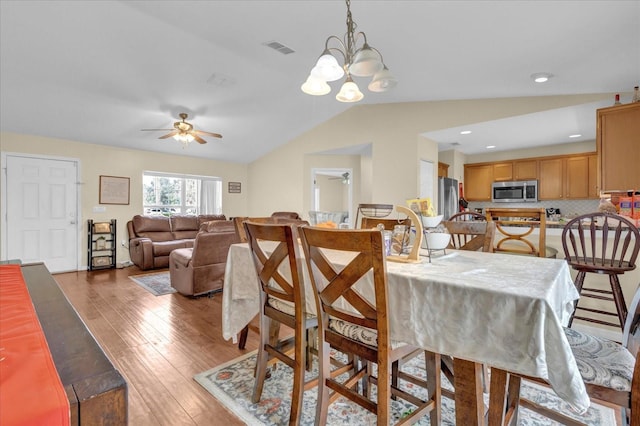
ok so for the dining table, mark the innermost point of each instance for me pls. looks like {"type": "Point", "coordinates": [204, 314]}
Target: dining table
{"type": "Point", "coordinates": [499, 310]}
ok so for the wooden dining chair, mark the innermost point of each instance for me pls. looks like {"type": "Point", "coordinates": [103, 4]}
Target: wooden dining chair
{"type": "Point", "coordinates": [357, 325]}
{"type": "Point", "coordinates": [471, 235]}
{"type": "Point", "coordinates": [615, 254]}
{"type": "Point", "coordinates": [282, 301]}
{"type": "Point", "coordinates": [238, 221]}
{"type": "Point", "coordinates": [467, 216]}
{"type": "Point", "coordinates": [610, 370]}
{"type": "Point", "coordinates": [388, 224]}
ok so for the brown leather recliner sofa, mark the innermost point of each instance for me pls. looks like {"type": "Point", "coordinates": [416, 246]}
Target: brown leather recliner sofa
{"type": "Point", "coordinates": [200, 269]}
{"type": "Point", "coordinates": [153, 238]}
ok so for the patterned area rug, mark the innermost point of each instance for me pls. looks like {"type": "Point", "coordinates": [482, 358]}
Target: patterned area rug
{"type": "Point", "coordinates": [158, 283]}
{"type": "Point", "coordinates": [232, 385]}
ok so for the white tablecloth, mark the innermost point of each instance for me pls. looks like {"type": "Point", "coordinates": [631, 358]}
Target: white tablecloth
{"type": "Point", "coordinates": [502, 310]}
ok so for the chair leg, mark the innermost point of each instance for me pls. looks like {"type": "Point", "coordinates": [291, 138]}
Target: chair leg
{"type": "Point", "coordinates": [434, 384]}
{"type": "Point", "coordinates": [298, 376]}
{"type": "Point", "coordinates": [324, 367]}
{"type": "Point", "coordinates": [618, 297]}
{"type": "Point", "coordinates": [578, 283]}
{"type": "Point", "coordinates": [261, 360]}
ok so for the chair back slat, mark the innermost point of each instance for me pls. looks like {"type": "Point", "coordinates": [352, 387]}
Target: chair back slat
{"type": "Point", "coordinates": [619, 244]}
{"type": "Point", "coordinates": [337, 295]}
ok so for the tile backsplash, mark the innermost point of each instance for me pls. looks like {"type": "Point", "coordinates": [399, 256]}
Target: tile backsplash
{"type": "Point", "coordinates": [567, 207]}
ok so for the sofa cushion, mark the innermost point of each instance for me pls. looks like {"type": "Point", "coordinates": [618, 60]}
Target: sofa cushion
{"type": "Point", "coordinates": [209, 217]}
{"type": "Point", "coordinates": [151, 224]}
{"type": "Point", "coordinates": [164, 248]}
{"type": "Point", "coordinates": [185, 235]}
{"type": "Point", "coordinates": [218, 226]}
{"type": "Point", "coordinates": [184, 223]}
{"type": "Point", "coordinates": [156, 228]}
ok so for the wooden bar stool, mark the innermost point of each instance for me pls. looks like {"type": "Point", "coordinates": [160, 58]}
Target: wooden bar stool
{"type": "Point", "coordinates": [614, 255]}
{"type": "Point", "coordinates": [526, 220]}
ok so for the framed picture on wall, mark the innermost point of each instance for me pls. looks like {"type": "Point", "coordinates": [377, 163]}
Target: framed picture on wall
{"type": "Point", "coordinates": [114, 190]}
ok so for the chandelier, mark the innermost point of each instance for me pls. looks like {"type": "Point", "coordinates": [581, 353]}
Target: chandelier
{"type": "Point", "coordinates": [363, 61]}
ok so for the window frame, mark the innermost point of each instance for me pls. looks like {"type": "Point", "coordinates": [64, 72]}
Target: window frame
{"type": "Point", "coordinates": [182, 208]}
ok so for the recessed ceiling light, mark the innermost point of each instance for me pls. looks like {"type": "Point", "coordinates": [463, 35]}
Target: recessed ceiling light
{"type": "Point", "coordinates": [465, 132]}
{"type": "Point", "coordinates": [541, 77]}
{"type": "Point", "coordinates": [490, 146]}
{"type": "Point", "coordinates": [577, 135]}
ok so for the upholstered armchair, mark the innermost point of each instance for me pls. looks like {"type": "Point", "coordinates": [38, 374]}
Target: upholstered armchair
{"type": "Point", "coordinates": [199, 270]}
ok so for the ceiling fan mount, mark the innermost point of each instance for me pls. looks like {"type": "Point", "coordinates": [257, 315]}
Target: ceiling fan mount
{"type": "Point", "coordinates": [184, 132]}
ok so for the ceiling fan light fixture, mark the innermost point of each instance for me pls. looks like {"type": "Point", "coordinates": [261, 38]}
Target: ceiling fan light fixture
{"type": "Point", "coordinates": [185, 138]}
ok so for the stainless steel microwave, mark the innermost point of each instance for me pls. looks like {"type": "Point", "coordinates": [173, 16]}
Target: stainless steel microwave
{"type": "Point", "coordinates": [525, 191]}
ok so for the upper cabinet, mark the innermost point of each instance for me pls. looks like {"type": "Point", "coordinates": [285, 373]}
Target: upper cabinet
{"type": "Point", "coordinates": [559, 177]}
{"type": "Point", "coordinates": [503, 171]}
{"type": "Point", "coordinates": [551, 182]}
{"type": "Point", "coordinates": [618, 147]}
{"type": "Point", "coordinates": [477, 182]}
{"type": "Point", "coordinates": [569, 177]}
{"type": "Point", "coordinates": [525, 169]}
{"type": "Point", "coordinates": [443, 169]}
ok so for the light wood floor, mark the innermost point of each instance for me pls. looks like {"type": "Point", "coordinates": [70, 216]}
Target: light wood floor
{"type": "Point", "coordinates": [157, 343]}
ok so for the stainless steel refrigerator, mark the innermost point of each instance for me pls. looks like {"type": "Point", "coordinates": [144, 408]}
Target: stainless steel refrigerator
{"type": "Point", "coordinates": [447, 197]}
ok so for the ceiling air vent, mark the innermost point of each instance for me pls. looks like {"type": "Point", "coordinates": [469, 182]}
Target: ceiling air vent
{"type": "Point", "coordinates": [279, 47]}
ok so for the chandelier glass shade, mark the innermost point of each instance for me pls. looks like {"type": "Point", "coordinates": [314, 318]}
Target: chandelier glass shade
{"type": "Point", "coordinates": [363, 61]}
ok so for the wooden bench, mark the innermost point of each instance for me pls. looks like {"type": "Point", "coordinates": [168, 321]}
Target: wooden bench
{"type": "Point", "coordinates": [97, 392]}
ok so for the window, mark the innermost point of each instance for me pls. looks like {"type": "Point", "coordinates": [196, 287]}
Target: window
{"type": "Point", "coordinates": [168, 194]}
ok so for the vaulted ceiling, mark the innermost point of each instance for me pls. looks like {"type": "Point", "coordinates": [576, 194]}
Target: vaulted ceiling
{"type": "Point", "coordinates": [100, 71]}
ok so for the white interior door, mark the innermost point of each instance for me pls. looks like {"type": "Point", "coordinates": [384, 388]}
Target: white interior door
{"type": "Point", "coordinates": [41, 211]}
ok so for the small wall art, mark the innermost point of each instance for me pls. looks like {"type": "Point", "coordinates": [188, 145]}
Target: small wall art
{"type": "Point", "coordinates": [114, 190]}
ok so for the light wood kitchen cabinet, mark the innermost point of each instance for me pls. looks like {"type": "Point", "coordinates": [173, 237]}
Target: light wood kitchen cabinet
{"type": "Point", "coordinates": [594, 186]}
{"type": "Point", "coordinates": [443, 169]}
{"type": "Point", "coordinates": [618, 146]}
{"type": "Point", "coordinates": [525, 169]}
{"type": "Point", "coordinates": [551, 179]}
{"type": "Point", "coordinates": [581, 174]}
{"type": "Point", "coordinates": [503, 171]}
{"type": "Point", "coordinates": [570, 177]}
{"type": "Point", "coordinates": [477, 182]}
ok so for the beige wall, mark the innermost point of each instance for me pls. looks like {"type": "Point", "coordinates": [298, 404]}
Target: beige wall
{"type": "Point", "coordinates": [393, 132]}
{"type": "Point", "coordinates": [96, 160]}
{"type": "Point", "coordinates": [281, 180]}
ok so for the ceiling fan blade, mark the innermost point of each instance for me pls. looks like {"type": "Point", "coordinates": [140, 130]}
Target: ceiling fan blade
{"type": "Point", "coordinates": [168, 135]}
{"type": "Point", "coordinates": [202, 132]}
{"type": "Point", "coordinates": [155, 130]}
{"type": "Point", "coordinates": [198, 138]}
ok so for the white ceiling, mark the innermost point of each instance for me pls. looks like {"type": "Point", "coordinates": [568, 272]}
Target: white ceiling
{"type": "Point", "coordinates": [98, 72]}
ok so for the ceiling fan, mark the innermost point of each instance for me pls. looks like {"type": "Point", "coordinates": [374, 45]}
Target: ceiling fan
{"type": "Point", "coordinates": [344, 178]}
{"type": "Point", "coordinates": [184, 132]}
